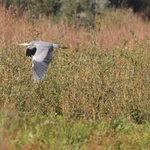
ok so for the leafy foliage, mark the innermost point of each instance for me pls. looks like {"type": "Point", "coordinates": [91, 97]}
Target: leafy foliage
{"type": "Point", "coordinates": [136, 5]}
{"type": "Point", "coordinates": [95, 94]}
{"type": "Point", "coordinates": [61, 8]}
{"type": "Point", "coordinates": [80, 12]}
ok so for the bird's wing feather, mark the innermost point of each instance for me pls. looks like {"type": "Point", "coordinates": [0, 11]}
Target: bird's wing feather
{"type": "Point", "coordinates": [41, 52]}
{"type": "Point", "coordinates": [49, 55]}
{"type": "Point", "coordinates": [35, 75]}
{"type": "Point", "coordinates": [40, 67]}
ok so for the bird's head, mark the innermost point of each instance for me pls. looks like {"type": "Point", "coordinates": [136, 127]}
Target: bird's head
{"type": "Point", "coordinates": [30, 45]}
{"type": "Point", "coordinates": [24, 44]}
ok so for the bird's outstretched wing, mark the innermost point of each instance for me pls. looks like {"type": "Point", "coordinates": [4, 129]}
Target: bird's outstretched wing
{"type": "Point", "coordinates": [41, 60]}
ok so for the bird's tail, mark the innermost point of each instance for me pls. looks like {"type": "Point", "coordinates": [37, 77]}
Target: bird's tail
{"type": "Point", "coordinates": [55, 45]}
{"type": "Point", "coordinates": [63, 47]}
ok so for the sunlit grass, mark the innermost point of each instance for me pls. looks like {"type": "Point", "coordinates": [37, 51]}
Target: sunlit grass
{"type": "Point", "coordinates": [95, 94]}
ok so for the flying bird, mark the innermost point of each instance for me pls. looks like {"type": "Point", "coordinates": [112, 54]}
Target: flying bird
{"type": "Point", "coordinates": [41, 53]}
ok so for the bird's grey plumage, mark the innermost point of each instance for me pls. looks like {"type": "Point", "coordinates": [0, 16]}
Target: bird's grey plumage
{"type": "Point", "coordinates": [41, 53]}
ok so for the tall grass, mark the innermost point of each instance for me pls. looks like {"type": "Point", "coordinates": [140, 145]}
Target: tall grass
{"type": "Point", "coordinates": [96, 89]}
{"type": "Point", "coordinates": [112, 29]}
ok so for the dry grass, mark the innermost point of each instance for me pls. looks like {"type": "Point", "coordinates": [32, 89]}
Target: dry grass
{"type": "Point", "coordinates": [95, 93]}
{"type": "Point", "coordinates": [112, 29]}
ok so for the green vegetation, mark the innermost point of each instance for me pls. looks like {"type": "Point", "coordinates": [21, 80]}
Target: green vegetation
{"type": "Point", "coordinates": [58, 8]}
{"type": "Point", "coordinates": [49, 133]}
{"type": "Point", "coordinates": [83, 11]}
{"type": "Point", "coordinates": [95, 94]}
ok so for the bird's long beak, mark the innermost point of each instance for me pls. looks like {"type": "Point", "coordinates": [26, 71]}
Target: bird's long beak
{"type": "Point", "coordinates": [24, 44]}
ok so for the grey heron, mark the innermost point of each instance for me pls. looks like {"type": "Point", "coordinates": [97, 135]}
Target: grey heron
{"type": "Point", "coordinates": [41, 53]}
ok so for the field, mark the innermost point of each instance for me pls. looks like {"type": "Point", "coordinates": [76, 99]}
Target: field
{"type": "Point", "coordinates": [95, 94]}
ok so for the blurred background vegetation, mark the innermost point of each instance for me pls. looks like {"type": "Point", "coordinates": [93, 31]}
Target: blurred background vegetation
{"type": "Point", "coordinates": [95, 94]}
{"type": "Point", "coordinates": [83, 11]}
